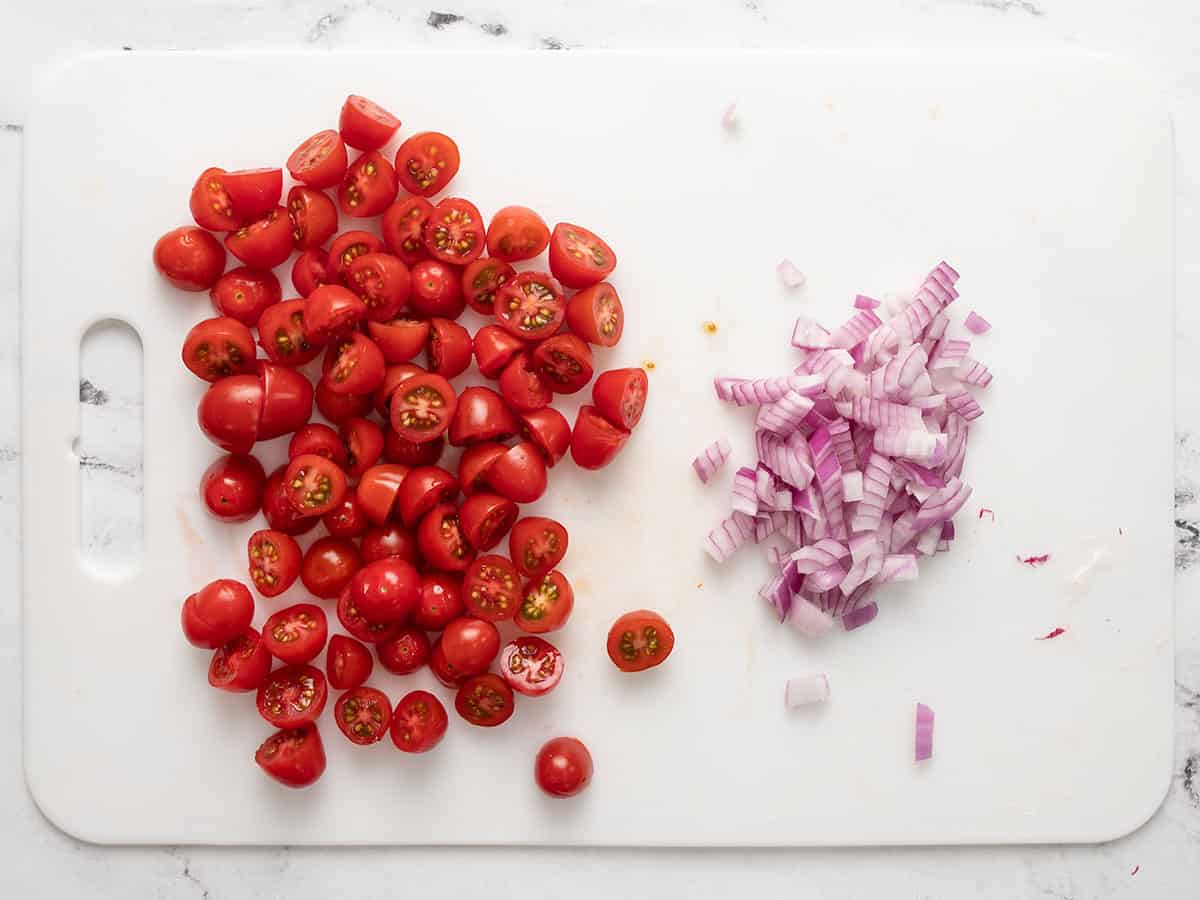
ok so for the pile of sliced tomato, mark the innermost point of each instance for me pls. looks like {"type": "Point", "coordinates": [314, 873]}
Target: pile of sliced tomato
{"type": "Point", "coordinates": [413, 548]}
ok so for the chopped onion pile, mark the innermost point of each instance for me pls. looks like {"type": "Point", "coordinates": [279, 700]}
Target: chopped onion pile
{"type": "Point", "coordinates": [860, 453]}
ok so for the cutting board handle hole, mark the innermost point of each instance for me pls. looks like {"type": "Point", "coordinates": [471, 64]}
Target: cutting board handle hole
{"type": "Point", "coordinates": [109, 449]}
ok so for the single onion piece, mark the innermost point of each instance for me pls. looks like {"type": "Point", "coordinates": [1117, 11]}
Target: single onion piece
{"type": "Point", "coordinates": [791, 276]}
{"type": "Point", "coordinates": [805, 690]}
{"type": "Point", "coordinates": [711, 458]}
{"type": "Point", "coordinates": [899, 567]}
{"type": "Point", "coordinates": [977, 324]}
{"type": "Point", "coordinates": [863, 302]}
{"type": "Point", "coordinates": [852, 486]}
{"type": "Point", "coordinates": [924, 733]}
{"type": "Point", "coordinates": [729, 118]}
{"type": "Point", "coordinates": [971, 371]}
{"type": "Point", "coordinates": [808, 619]}
{"type": "Point", "coordinates": [725, 540]}
{"type": "Point", "coordinates": [808, 335]}
{"type": "Point", "coordinates": [857, 618]}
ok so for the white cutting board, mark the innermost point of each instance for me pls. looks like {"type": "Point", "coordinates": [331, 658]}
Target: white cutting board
{"type": "Point", "coordinates": [1045, 179]}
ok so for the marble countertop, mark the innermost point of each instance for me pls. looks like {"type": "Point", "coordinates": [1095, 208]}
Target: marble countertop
{"type": "Point", "coordinates": [1162, 859]}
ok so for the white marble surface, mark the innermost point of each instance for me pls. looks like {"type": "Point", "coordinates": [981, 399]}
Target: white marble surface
{"type": "Point", "coordinates": [37, 860]}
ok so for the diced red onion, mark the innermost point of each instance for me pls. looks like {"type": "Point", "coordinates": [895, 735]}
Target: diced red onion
{"type": "Point", "coordinates": [961, 402]}
{"type": "Point", "coordinates": [924, 733]}
{"type": "Point", "coordinates": [829, 479]}
{"type": "Point", "coordinates": [897, 567]}
{"type": "Point", "coordinates": [884, 414]}
{"type": "Point", "coordinates": [821, 555]}
{"type": "Point", "coordinates": [864, 302]}
{"type": "Point", "coordinates": [943, 504]}
{"type": "Point", "coordinates": [855, 329]}
{"type": "Point", "coordinates": [977, 324]}
{"type": "Point", "coordinates": [843, 445]}
{"type": "Point", "coordinates": [808, 619]}
{"type": "Point", "coordinates": [919, 446]}
{"type": "Point", "coordinates": [744, 495]}
{"type": "Point", "coordinates": [852, 486]}
{"type": "Point", "coordinates": [791, 276]}
{"type": "Point", "coordinates": [949, 353]}
{"type": "Point", "coordinates": [764, 527]}
{"type": "Point", "coordinates": [729, 117]}
{"type": "Point", "coordinates": [757, 391]}
{"type": "Point", "coordinates": [928, 540]}
{"type": "Point", "coordinates": [806, 690]}
{"type": "Point", "coordinates": [826, 579]}
{"type": "Point", "coordinates": [859, 617]}
{"type": "Point", "coordinates": [788, 459]}
{"type": "Point", "coordinates": [808, 335]}
{"type": "Point", "coordinates": [724, 540]}
{"type": "Point", "coordinates": [785, 414]}
{"type": "Point", "coordinates": [971, 371]}
{"type": "Point", "coordinates": [711, 458]}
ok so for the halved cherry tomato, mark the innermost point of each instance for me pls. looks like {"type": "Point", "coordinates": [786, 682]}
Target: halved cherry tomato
{"type": "Point", "coordinates": [331, 310]}
{"type": "Point", "coordinates": [640, 640]}
{"type": "Point", "coordinates": [436, 290]}
{"type": "Point", "coordinates": [253, 192]}
{"type": "Point", "coordinates": [296, 634]}
{"type": "Point", "coordinates": [418, 722]}
{"type": "Point", "coordinates": [383, 282]}
{"type": "Point", "coordinates": [319, 439]}
{"type": "Point", "coordinates": [455, 231]}
{"type": "Point", "coordinates": [547, 605]}
{"type": "Point", "coordinates": [520, 474]}
{"type": "Point", "coordinates": [441, 669]}
{"type": "Point", "coordinates": [244, 294]}
{"type": "Point", "coordinates": [328, 566]}
{"type": "Point", "coordinates": [531, 306]}
{"type": "Point", "coordinates": [405, 653]}
{"type": "Point", "coordinates": [536, 545]}
{"type": "Point", "coordinates": [449, 348]}
{"type": "Point", "coordinates": [549, 430]}
{"type": "Point", "coordinates": [481, 279]}
{"type": "Point", "coordinates": [378, 488]}
{"type": "Point", "coordinates": [274, 558]}
{"type": "Point", "coordinates": [403, 228]}
{"type": "Point", "coordinates": [217, 348]}
{"type": "Point", "coordinates": [311, 270]}
{"type": "Point", "coordinates": [287, 400]}
{"type": "Point", "coordinates": [531, 666]}
{"type": "Point", "coordinates": [468, 646]}
{"type": "Point", "coordinates": [352, 620]}
{"type": "Point", "coordinates": [363, 714]}
{"type": "Point", "coordinates": [292, 696]}
{"type": "Point", "coordinates": [278, 509]}
{"type": "Point", "coordinates": [426, 162]}
{"type": "Point", "coordinates": [340, 408]}
{"type": "Point", "coordinates": [481, 415]}
{"type": "Point", "coordinates": [369, 186]}
{"type": "Point", "coordinates": [563, 767]}
{"type": "Point", "coordinates": [232, 487]}
{"type": "Point", "coordinates": [422, 407]}
{"type": "Point", "coordinates": [347, 519]}
{"type": "Point", "coordinates": [579, 258]}
{"type": "Point", "coordinates": [484, 700]}
{"type": "Point", "coordinates": [320, 161]}
{"type": "Point", "coordinates": [349, 246]}
{"type": "Point", "coordinates": [364, 124]}
{"type": "Point", "coordinates": [217, 613]}
{"type": "Point", "coordinates": [474, 464]}
{"type": "Point", "coordinates": [486, 518]}
{"type": "Point", "coordinates": [596, 315]}
{"type": "Point", "coordinates": [423, 489]}
{"type": "Point", "coordinates": [363, 441]}
{"type": "Point", "coordinates": [494, 349]}
{"type": "Point", "coordinates": [281, 334]}
{"type": "Point", "coordinates": [293, 756]}
{"type": "Point", "coordinates": [620, 396]}
{"type": "Point", "coordinates": [595, 441]}
{"type": "Point", "coordinates": [230, 413]}
{"type": "Point", "coordinates": [353, 365]}
{"type": "Point", "coordinates": [441, 601]}
{"type": "Point", "coordinates": [264, 242]}
{"type": "Point", "coordinates": [387, 590]}
{"type": "Point", "coordinates": [440, 537]}
{"type": "Point", "coordinates": [210, 203]}
{"type": "Point", "coordinates": [347, 662]}
{"type": "Point", "coordinates": [399, 339]}
{"type": "Point", "coordinates": [565, 361]}
{"type": "Point", "coordinates": [390, 541]}
{"type": "Point", "coordinates": [241, 664]}
{"type": "Point", "coordinates": [392, 377]}
{"type": "Point", "coordinates": [523, 385]}
{"type": "Point", "coordinates": [190, 258]}
{"type": "Point", "coordinates": [492, 588]}
{"type": "Point", "coordinates": [314, 217]}
{"type": "Point", "coordinates": [401, 450]}
{"type": "Point", "coordinates": [315, 484]}
{"type": "Point", "coordinates": [516, 233]}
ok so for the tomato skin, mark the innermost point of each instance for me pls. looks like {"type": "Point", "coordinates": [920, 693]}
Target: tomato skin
{"type": "Point", "coordinates": [491, 588]}
{"type": "Point", "coordinates": [378, 488]}
{"type": "Point", "coordinates": [531, 666]}
{"type": "Point", "coordinates": [578, 258]}
{"type": "Point", "coordinates": [436, 290]}
{"type": "Point", "coordinates": [190, 258]}
{"type": "Point", "coordinates": [369, 186]}
{"type": "Point", "coordinates": [330, 311]}
{"type": "Point", "coordinates": [405, 653]}
{"type": "Point", "coordinates": [328, 566]}
{"type": "Point", "coordinates": [230, 412]}
{"type": "Point", "coordinates": [392, 376]}
{"type": "Point", "coordinates": [481, 415]}
{"type": "Point", "coordinates": [232, 488]}
{"type": "Point", "coordinates": [536, 545]}
{"type": "Point", "coordinates": [383, 282]}
{"type": "Point", "coordinates": [320, 161]}
{"type": "Point", "coordinates": [441, 669]}
{"type": "Point", "coordinates": [347, 519]}
{"type": "Point", "coordinates": [274, 561]}
{"type": "Point", "coordinates": [296, 634]}
{"type": "Point", "coordinates": [468, 646]}
{"type": "Point", "coordinates": [349, 246]}
{"type": "Point", "coordinates": [449, 348]}
{"type": "Point", "coordinates": [390, 541]}
{"type": "Point", "coordinates": [563, 767]}
{"type": "Point", "coordinates": [314, 217]}
{"type": "Point", "coordinates": [441, 601]}
{"type": "Point", "coordinates": [386, 591]}
{"type": "Point", "coordinates": [549, 430]}
{"type": "Point", "coordinates": [547, 604]}
{"type": "Point", "coordinates": [310, 271]}
{"type": "Point", "coordinates": [362, 440]}
{"type": "Point", "coordinates": [474, 464]}
{"type": "Point", "coordinates": [341, 408]}
{"type": "Point", "coordinates": [253, 192]}
{"type": "Point", "coordinates": [640, 640]}
{"type": "Point", "coordinates": [294, 757]}
{"type": "Point", "coordinates": [443, 545]}
{"type": "Point", "coordinates": [210, 203]}
{"type": "Point", "coordinates": [352, 620]}
{"type": "Point", "coordinates": [278, 509]}
{"type": "Point", "coordinates": [347, 663]}
{"type": "Point", "coordinates": [494, 348]}
{"type": "Point", "coordinates": [520, 474]}
{"type": "Point", "coordinates": [531, 306]}
{"type": "Point", "coordinates": [486, 518]}
{"type": "Point", "coordinates": [217, 613]}
{"type": "Point", "coordinates": [244, 294]}
{"type": "Point", "coordinates": [484, 700]}
{"type": "Point", "coordinates": [264, 242]}
{"type": "Point", "coordinates": [523, 385]}
{"type": "Point", "coordinates": [426, 163]}
{"type": "Point", "coordinates": [315, 484]}
{"type": "Point", "coordinates": [454, 232]}
{"type": "Point", "coordinates": [424, 488]}
{"type": "Point", "coordinates": [403, 228]}
{"type": "Point", "coordinates": [401, 450]}
{"type": "Point", "coordinates": [516, 233]}
{"type": "Point", "coordinates": [400, 339]}
{"type": "Point", "coordinates": [292, 696]}
{"type": "Point", "coordinates": [319, 439]}
{"type": "Point", "coordinates": [419, 722]}
{"type": "Point", "coordinates": [241, 664]}
{"type": "Point", "coordinates": [353, 365]}
{"type": "Point", "coordinates": [481, 278]}
{"type": "Point", "coordinates": [282, 335]}
{"type": "Point", "coordinates": [364, 124]}
{"type": "Point", "coordinates": [620, 396]}
{"type": "Point", "coordinates": [287, 400]}
{"type": "Point", "coordinates": [565, 362]}
{"type": "Point", "coordinates": [595, 441]}
{"type": "Point", "coordinates": [422, 407]}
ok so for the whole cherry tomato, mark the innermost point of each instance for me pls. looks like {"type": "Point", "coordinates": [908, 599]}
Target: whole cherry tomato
{"type": "Point", "coordinates": [563, 767]}
{"type": "Point", "coordinates": [436, 290]}
{"type": "Point", "coordinates": [230, 413]}
{"type": "Point", "coordinates": [441, 601]}
{"type": "Point", "coordinates": [468, 646]}
{"type": "Point", "coordinates": [390, 541]}
{"type": "Point", "coordinates": [217, 613]}
{"type": "Point", "coordinates": [328, 566]}
{"type": "Point", "coordinates": [190, 258]}
{"type": "Point", "coordinates": [386, 591]}
{"type": "Point", "coordinates": [515, 233]}
{"type": "Point", "coordinates": [244, 294]}
{"type": "Point", "coordinates": [232, 488]}
{"type": "Point", "coordinates": [319, 439]}
{"type": "Point", "coordinates": [405, 653]}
